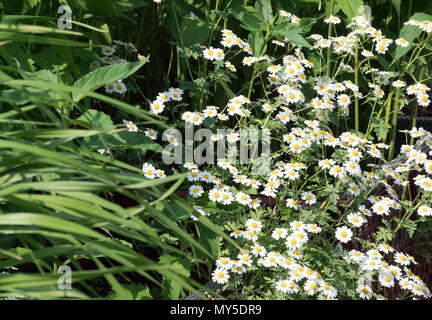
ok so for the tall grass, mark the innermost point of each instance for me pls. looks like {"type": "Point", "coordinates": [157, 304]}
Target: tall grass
{"type": "Point", "coordinates": [63, 204]}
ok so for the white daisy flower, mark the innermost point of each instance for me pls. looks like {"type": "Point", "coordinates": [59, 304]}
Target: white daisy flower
{"type": "Point", "coordinates": [220, 276]}
{"type": "Point", "coordinates": [196, 191]}
{"type": "Point", "coordinates": [343, 234]}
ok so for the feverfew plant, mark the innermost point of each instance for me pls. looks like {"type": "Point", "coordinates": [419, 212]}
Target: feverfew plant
{"type": "Point", "coordinates": [323, 219]}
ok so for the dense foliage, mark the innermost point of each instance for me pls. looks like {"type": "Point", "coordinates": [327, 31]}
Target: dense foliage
{"type": "Point", "coordinates": [328, 205]}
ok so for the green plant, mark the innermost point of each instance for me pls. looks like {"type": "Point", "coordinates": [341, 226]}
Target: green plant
{"type": "Point", "coordinates": [62, 202]}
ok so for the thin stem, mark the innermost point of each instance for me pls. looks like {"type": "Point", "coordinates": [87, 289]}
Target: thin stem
{"type": "Point", "coordinates": [330, 29]}
{"type": "Point", "coordinates": [387, 113]}
{"type": "Point", "coordinates": [356, 80]}
{"type": "Point", "coordinates": [416, 105]}
{"type": "Point", "coordinates": [394, 125]}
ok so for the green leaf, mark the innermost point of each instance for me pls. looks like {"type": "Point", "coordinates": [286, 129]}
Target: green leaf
{"type": "Point", "coordinates": [350, 7]}
{"type": "Point", "coordinates": [294, 37]}
{"type": "Point", "coordinates": [105, 7]}
{"type": "Point", "coordinates": [264, 9]}
{"type": "Point", "coordinates": [14, 54]}
{"type": "Point", "coordinates": [105, 75]}
{"type": "Point", "coordinates": [64, 88]}
{"type": "Point", "coordinates": [128, 5]}
{"type": "Point", "coordinates": [97, 120]}
{"type": "Point", "coordinates": [249, 19]}
{"type": "Point", "coordinates": [209, 239]}
{"type": "Point", "coordinates": [171, 288]}
{"type": "Point", "coordinates": [257, 43]}
{"type": "Point", "coordinates": [135, 291]}
{"type": "Point", "coordinates": [380, 127]}
{"type": "Point", "coordinates": [397, 5]}
{"type": "Point", "coordinates": [194, 31]}
{"type": "Point", "coordinates": [21, 6]}
{"type": "Point", "coordinates": [30, 38]}
{"type": "Point", "coordinates": [48, 222]}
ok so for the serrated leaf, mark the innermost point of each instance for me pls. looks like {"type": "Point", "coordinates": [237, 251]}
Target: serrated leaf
{"type": "Point", "coordinates": [133, 291]}
{"type": "Point", "coordinates": [208, 238]}
{"type": "Point", "coordinates": [105, 75]}
{"type": "Point", "coordinates": [97, 120]}
{"type": "Point", "coordinates": [170, 287]}
{"type": "Point", "coordinates": [380, 127]}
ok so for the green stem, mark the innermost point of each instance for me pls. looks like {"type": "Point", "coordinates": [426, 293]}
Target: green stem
{"type": "Point", "coordinates": [387, 114]}
{"type": "Point", "coordinates": [407, 216]}
{"type": "Point", "coordinates": [298, 191]}
{"type": "Point", "coordinates": [394, 125]}
{"type": "Point", "coordinates": [416, 105]}
{"type": "Point", "coordinates": [251, 83]}
{"type": "Point", "coordinates": [330, 29]}
{"type": "Point", "coordinates": [356, 80]}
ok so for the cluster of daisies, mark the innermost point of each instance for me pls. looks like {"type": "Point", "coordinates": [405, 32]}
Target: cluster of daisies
{"type": "Point", "coordinates": [340, 166]}
{"type": "Point", "coordinates": [420, 91]}
{"type": "Point", "coordinates": [299, 277]}
{"type": "Point", "coordinates": [150, 172]}
{"type": "Point", "coordinates": [310, 158]}
{"type": "Point", "coordinates": [374, 264]}
{"type": "Point", "coordinates": [426, 26]}
{"type": "Point", "coordinates": [220, 193]}
{"type": "Point", "coordinates": [158, 105]}
{"type": "Point", "coordinates": [348, 43]}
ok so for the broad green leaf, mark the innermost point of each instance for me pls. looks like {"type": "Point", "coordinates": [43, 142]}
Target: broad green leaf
{"type": "Point", "coordinates": [177, 209]}
{"type": "Point", "coordinates": [350, 7]}
{"type": "Point", "coordinates": [294, 37]}
{"type": "Point", "coordinates": [20, 6]}
{"type": "Point", "coordinates": [104, 7]}
{"type": "Point", "coordinates": [257, 43]}
{"type": "Point", "coordinates": [194, 31]}
{"type": "Point", "coordinates": [14, 54]}
{"type": "Point", "coordinates": [128, 5]}
{"type": "Point", "coordinates": [410, 33]}
{"type": "Point", "coordinates": [397, 5]}
{"type": "Point", "coordinates": [94, 119]}
{"type": "Point", "coordinates": [249, 19]}
{"type": "Point", "coordinates": [105, 75]}
{"type": "Point", "coordinates": [264, 9]}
